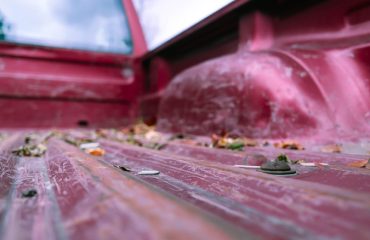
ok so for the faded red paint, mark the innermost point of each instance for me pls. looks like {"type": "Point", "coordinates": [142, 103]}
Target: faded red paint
{"type": "Point", "coordinates": [265, 70]}
{"type": "Point", "coordinates": [296, 75]}
{"type": "Point", "coordinates": [273, 207]}
{"type": "Point", "coordinates": [79, 197]}
{"type": "Point", "coordinates": [61, 87]}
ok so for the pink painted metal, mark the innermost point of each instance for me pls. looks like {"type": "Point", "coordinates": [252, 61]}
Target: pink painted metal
{"type": "Point", "coordinates": [81, 197]}
{"type": "Point", "coordinates": [62, 87]}
{"type": "Point", "coordinates": [267, 69]}
{"type": "Point", "coordinates": [295, 75]}
{"type": "Point", "coordinates": [270, 206]}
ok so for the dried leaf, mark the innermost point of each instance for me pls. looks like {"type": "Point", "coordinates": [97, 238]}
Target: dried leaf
{"type": "Point", "coordinates": [77, 141]}
{"type": "Point", "coordinates": [153, 136]}
{"type": "Point", "coordinates": [358, 164]}
{"type": "Point", "coordinates": [289, 145]}
{"type": "Point", "coordinates": [298, 161]}
{"type": "Point", "coordinates": [155, 145]}
{"type": "Point", "coordinates": [30, 150]}
{"type": "Point", "coordinates": [335, 148]}
{"type": "Point", "coordinates": [102, 133]}
{"type": "Point", "coordinates": [138, 129]}
{"type": "Point", "coordinates": [218, 141]}
{"type": "Point", "coordinates": [229, 143]}
{"type": "Point", "coordinates": [95, 152]}
{"type": "Point", "coordinates": [283, 158]}
{"type": "Point", "coordinates": [250, 142]}
{"type": "Point", "coordinates": [236, 145]}
{"type": "Point", "coordinates": [132, 140]}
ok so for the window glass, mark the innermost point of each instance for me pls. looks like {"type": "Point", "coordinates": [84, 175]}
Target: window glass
{"type": "Point", "coordinates": [164, 19]}
{"type": "Point", "coordinates": [97, 25]}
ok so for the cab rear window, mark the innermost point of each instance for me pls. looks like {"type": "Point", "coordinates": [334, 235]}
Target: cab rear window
{"type": "Point", "coordinates": [95, 25]}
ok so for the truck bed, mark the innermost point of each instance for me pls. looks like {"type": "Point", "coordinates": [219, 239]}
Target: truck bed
{"type": "Point", "coordinates": [262, 115]}
{"type": "Point", "coordinates": [197, 192]}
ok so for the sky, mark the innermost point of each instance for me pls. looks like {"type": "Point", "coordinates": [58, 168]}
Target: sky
{"type": "Point", "coordinates": [164, 19]}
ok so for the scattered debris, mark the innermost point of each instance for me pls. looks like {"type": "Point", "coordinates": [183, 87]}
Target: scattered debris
{"type": "Point", "coordinates": [95, 152]}
{"type": "Point", "coordinates": [312, 164]}
{"type": "Point", "coordinates": [322, 164]}
{"type": "Point", "coordinates": [29, 193]}
{"type": "Point", "coordinates": [103, 133]}
{"type": "Point", "coordinates": [143, 172]}
{"type": "Point", "coordinates": [123, 168]}
{"type": "Point", "coordinates": [249, 142]}
{"type": "Point", "coordinates": [50, 134]}
{"type": "Point", "coordinates": [308, 164]}
{"type": "Point", "coordinates": [153, 135]}
{"type": "Point", "coordinates": [30, 148]}
{"type": "Point", "coordinates": [77, 141]}
{"type": "Point", "coordinates": [155, 145]}
{"type": "Point", "coordinates": [236, 144]}
{"type": "Point", "coordinates": [148, 172]}
{"type": "Point", "coordinates": [132, 140]}
{"type": "Point", "coordinates": [188, 140]}
{"type": "Point", "coordinates": [360, 164]}
{"type": "Point", "coordinates": [228, 143]}
{"type": "Point", "coordinates": [248, 166]}
{"type": "Point", "coordinates": [297, 161]}
{"type": "Point", "coordinates": [335, 148]}
{"type": "Point", "coordinates": [177, 136]}
{"type": "Point", "coordinates": [138, 129]}
{"type": "Point", "coordinates": [283, 158]}
{"type": "Point", "coordinates": [90, 145]}
{"type": "Point", "coordinates": [292, 145]}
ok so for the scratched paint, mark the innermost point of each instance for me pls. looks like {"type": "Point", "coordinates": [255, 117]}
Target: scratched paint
{"type": "Point", "coordinates": [111, 200]}
{"type": "Point", "coordinates": [296, 203]}
{"type": "Point", "coordinates": [85, 197]}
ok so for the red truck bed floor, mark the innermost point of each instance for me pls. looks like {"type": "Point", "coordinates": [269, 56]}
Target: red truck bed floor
{"type": "Point", "coordinates": [198, 193]}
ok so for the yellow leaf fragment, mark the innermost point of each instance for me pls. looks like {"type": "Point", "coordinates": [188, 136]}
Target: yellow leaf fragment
{"type": "Point", "coordinates": [250, 142]}
{"type": "Point", "coordinates": [289, 145]}
{"type": "Point", "coordinates": [358, 164]}
{"type": "Point", "coordinates": [334, 148]}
